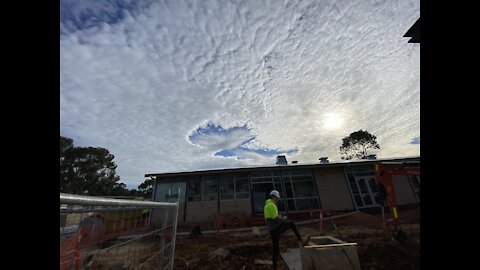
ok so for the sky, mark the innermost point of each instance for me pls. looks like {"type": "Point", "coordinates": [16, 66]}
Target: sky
{"type": "Point", "coordinates": [170, 86]}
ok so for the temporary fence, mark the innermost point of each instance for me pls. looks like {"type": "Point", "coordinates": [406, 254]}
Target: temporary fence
{"type": "Point", "coordinates": [106, 233]}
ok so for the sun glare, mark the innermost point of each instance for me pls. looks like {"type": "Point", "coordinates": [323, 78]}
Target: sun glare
{"type": "Point", "coordinates": [332, 121]}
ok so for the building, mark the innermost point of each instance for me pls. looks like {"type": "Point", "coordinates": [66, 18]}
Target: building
{"type": "Point", "coordinates": [339, 186]}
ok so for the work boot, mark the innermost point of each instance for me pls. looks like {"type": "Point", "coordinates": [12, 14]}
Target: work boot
{"type": "Point", "coordinates": [304, 241]}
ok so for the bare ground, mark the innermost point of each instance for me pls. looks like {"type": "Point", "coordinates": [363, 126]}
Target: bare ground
{"type": "Point", "coordinates": [376, 248]}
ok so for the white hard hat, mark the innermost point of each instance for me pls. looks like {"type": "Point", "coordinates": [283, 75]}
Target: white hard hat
{"type": "Point", "coordinates": [275, 193]}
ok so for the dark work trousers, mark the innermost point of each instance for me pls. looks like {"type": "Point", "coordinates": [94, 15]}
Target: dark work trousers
{"type": "Point", "coordinates": [275, 235]}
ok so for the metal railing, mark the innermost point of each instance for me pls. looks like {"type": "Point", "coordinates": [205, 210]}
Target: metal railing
{"type": "Point", "coordinates": [105, 233]}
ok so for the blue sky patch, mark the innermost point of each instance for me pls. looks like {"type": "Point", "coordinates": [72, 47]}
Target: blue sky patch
{"type": "Point", "coordinates": [78, 15]}
{"type": "Point", "coordinates": [231, 142]}
{"type": "Point", "coordinates": [415, 140]}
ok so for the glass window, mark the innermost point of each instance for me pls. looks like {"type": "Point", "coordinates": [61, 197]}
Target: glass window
{"type": "Point", "coordinates": [168, 192]}
{"type": "Point", "coordinates": [304, 189]}
{"type": "Point", "coordinates": [259, 195]}
{"type": "Point", "coordinates": [278, 185]}
{"type": "Point", "coordinates": [362, 185]}
{"type": "Point", "coordinates": [306, 204]}
{"type": "Point", "coordinates": [354, 187]}
{"type": "Point", "coordinates": [415, 181]}
{"type": "Point", "coordinates": [358, 200]}
{"type": "Point", "coordinates": [242, 186]}
{"type": "Point", "coordinates": [226, 186]}
{"type": "Point", "coordinates": [288, 189]}
{"type": "Point", "coordinates": [291, 205]}
{"type": "Point", "coordinates": [373, 184]}
{"type": "Point", "coordinates": [367, 199]}
{"type": "Point", "coordinates": [209, 188]}
{"type": "Point", "coordinates": [366, 186]}
{"type": "Point", "coordinates": [194, 189]}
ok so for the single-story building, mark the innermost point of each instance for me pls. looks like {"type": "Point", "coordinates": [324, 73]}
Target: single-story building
{"type": "Point", "coordinates": [339, 186]}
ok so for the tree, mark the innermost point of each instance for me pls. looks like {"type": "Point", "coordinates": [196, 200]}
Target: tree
{"type": "Point", "coordinates": [120, 189]}
{"type": "Point", "coordinates": [66, 144]}
{"type": "Point", "coordinates": [357, 144]}
{"type": "Point", "coordinates": [87, 170]}
{"type": "Point", "coordinates": [146, 188]}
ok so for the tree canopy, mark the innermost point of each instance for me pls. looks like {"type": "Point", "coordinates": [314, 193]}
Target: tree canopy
{"type": "Point", "coordinates": [357, 144]}
{"type": "Point", "coordinates": [146, 188]}
{"type": "Point", "coordinates": [88, 171]}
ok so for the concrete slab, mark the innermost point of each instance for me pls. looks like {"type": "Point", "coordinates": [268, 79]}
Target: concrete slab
{"type": "Point", "coordinates": [292, 258]}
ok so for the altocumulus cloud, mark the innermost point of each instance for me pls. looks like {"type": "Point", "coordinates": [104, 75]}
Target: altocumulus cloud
{"type": "Point", "coordinates": [191, 85]}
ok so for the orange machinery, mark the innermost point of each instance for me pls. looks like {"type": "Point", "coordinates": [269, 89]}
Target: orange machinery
{"type": "Point", "coordinates": [384, 172]}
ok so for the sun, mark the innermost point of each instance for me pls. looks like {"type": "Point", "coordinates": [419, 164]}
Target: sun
{"type": "Point", "coordinates": [332, 121]}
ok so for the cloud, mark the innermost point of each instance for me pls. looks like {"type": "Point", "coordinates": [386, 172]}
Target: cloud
{"type": "Point", "coordinates": [140, 77]}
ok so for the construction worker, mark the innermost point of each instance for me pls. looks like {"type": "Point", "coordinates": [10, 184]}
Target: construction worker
{"type": "Point", "coordinates": [277, 225]}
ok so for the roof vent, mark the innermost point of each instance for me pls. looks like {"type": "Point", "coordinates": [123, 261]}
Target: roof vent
{"type": "Point", "coordinates": [324, 160]}
{"type": "Point", "coordinates": [294, 162]}
{"type": "Point", "coordinates": [281, 160]}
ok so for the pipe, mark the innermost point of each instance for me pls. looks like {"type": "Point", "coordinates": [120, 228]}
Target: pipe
{"type": "Point", "coordinates": [90, 200]}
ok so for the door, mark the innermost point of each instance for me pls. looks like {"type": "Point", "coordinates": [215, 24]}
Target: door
{"type": "Point", "coordinates": [364, 190]}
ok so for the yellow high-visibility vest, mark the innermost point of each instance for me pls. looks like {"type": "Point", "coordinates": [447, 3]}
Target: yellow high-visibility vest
{"type": "Point", "coordinates": [270, 210]}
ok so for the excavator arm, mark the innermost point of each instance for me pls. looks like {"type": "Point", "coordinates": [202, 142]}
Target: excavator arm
{"type": "Point", "coordinates": [384, 177]}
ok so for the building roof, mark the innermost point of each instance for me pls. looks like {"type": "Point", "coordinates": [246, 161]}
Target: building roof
{"type": "Point", "coordinates": [414, 32]}
{"type": "Point", "coordinates": [283, 167]}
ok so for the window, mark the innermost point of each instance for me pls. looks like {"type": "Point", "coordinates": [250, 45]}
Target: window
{"type": "Point", "coordinates": [305, 204]}
{"type": "Point", "coordinates": [291, 205]}
{"type": "Point", "coordinates": [194, 189]}
{"type": "Point", "coordinates": [373, 185]}
{"type": "Point", "coordinates": [364, 189]}
{"type": "Point", "coordinates": [304, 189]}
{"type": "Point", "coordinates": [242, 186]}
{"type": "Point", "coordinates": [227, 187]}
{"type": "Point", "coordinates": [168, 192]}
{"type": "Point", "coordinates": [299, 186]}
{"type": "Point", "coordinates": [415, 184]}
{"type": "Point", "coordinates": [362, 185]}
{"type": "Point", "coordinates": [358, 200]}
{"type": "Point", "coordinates": [353, 184]}
{"type": "Point", "coordinates": [209, 188]}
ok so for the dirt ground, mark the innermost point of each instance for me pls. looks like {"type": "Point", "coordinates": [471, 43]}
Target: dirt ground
{"type": "Point", "coordinates": [376, 248]}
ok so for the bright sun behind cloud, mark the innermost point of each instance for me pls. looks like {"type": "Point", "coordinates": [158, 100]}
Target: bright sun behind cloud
{"type": "Point", "coordinates": [332, 121]}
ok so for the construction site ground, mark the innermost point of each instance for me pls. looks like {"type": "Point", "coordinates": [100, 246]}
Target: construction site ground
{"type": "Point", "coordinates": [377, 250]}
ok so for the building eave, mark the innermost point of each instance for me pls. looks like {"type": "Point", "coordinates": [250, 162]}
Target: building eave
{"type": "Point", "coordinates": [279, 167]}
